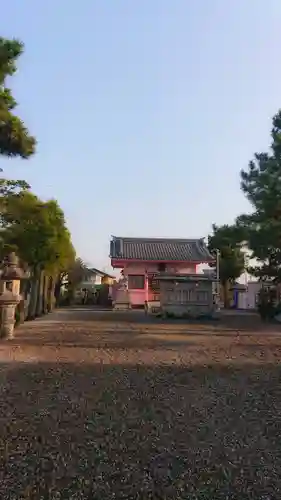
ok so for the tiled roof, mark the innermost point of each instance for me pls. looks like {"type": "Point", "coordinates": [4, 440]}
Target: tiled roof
{"type": "Point", "coordinates": [158, 249]}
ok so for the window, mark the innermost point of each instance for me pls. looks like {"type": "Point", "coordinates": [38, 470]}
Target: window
{"type": "Point", "coordinates": [136, 282]}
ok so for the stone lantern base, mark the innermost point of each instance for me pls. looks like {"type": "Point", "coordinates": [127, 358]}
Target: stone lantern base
{"type": "Point", "coordinates": [9, 294]}
{"type": "Point", "coordinates": [8, 303]}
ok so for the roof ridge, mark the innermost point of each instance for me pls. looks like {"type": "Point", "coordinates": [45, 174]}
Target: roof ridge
{"type": "Point", "coordinates": [135, 238]}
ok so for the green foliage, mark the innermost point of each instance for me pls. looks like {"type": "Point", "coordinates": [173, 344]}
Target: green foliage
{"type": "Point", "coordinates": [64, 255]}
{"type": "Point", "coordinates": [268, 305]}
{"type": "Point", "coordinates": [15, 139]}
{"type": "Point", "coordinates": [261, 183]}
{"type": "Point", "coordinates": [37, 230]}
{"type": "Point", "coordinates": [77, 272]}
{"type": "Point", "coordinates": [9, 187]}
{"type": "Point", "coordinates": [227, 239]}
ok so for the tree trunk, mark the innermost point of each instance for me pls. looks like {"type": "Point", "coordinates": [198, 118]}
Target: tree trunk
{"type": "Point", "coordinates": [27, 298]}
{"type": "Point", "coordinates": [51, 294]}
{"type": "Point", "coordinates": [24, 291]}
{"type": "Point", "coordinates": [57, 291]}
{"type": "Point", "coordinates": [20, 316]}
{"type": "Point", "coordinates": [34, 294]}
{"type": "Point", "coordinates": [45, 293]}
{"type": "Point", "coordinates": [39, 305]}
{"type": "Point", "coordinates": [226, 300]}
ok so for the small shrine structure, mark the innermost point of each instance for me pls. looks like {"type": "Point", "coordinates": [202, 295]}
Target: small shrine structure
{"type": "Point", "coordinates": [143, 261]}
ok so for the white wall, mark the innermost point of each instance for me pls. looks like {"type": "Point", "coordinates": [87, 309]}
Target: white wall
{"type": "Point", "coordinates": [247, 300]}
{"type": "Point", "coordinates": [94, 279]}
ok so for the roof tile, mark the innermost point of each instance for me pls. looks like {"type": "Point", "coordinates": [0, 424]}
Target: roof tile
{"type": "Point", "coordinates": [159, 249]}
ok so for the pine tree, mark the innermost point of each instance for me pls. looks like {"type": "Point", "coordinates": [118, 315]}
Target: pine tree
{"type": "Point", "coordinates": [15, 139]}
{"type": "Point", "coordinates": [227, 239]}
{"type": "Point", "coordinates": [261, 183]}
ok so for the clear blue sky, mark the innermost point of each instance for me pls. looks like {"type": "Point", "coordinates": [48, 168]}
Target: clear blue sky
{"type": "Point", "coordinates": [145, 110]}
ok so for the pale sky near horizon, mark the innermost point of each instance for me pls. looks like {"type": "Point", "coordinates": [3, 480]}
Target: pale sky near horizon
{"type": "Point", "coordinates": [145, 111]}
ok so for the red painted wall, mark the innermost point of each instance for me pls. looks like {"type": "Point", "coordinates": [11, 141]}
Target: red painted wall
{"type": "Point", "coordinates": [138, 297]}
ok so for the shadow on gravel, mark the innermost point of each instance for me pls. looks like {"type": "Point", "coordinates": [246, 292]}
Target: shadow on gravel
{"type": "Point", "coordinates": [155, 341]}
{"type": "Point", "coordinates": [113, 431]}
{"type": "Point", "coordinates": [106, 340]}
{"type": "Point", "coordinates": [230, 321]}
{"type": "Point", "coordinates": [102, 335]}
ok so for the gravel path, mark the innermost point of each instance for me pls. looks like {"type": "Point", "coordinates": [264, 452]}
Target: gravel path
{"type": "Point", "coordinates": [100, 408]}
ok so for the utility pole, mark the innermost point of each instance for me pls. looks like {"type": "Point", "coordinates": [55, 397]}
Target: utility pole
{"type": "Point", "coordinates": [218, 273]}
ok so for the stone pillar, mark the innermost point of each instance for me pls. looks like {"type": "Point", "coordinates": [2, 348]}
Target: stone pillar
{"type": "Point", "coordinates": [146, 286]}
{"type": "Point", "coordinates": [9, 295]}
{"type": "Point", "coordinates": [146, 292]}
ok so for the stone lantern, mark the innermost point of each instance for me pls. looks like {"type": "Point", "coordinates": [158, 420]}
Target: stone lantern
{"type": "Point", "coordinates": [10, 297]}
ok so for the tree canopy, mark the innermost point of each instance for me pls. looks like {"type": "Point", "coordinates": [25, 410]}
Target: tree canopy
{"type": "Point", "coordinates": [259, 230]}
{"type": "Point", "coordinates": [261, 183]}
{"type": "Point", "coordinates": [37, 230]}
{"type": "Point", "coordinates": [226, 239]}
{"type": "Point", "coordinates": [34, 228]}
{"type": "Point", "coordinates": [15, 139]}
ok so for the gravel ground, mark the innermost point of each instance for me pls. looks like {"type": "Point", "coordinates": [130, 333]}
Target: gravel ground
{"type": "Point", "coordinates": [99, 409]}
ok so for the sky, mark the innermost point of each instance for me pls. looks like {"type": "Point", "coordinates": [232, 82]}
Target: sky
{"type": "Point", "coordinates": [145, 111]}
